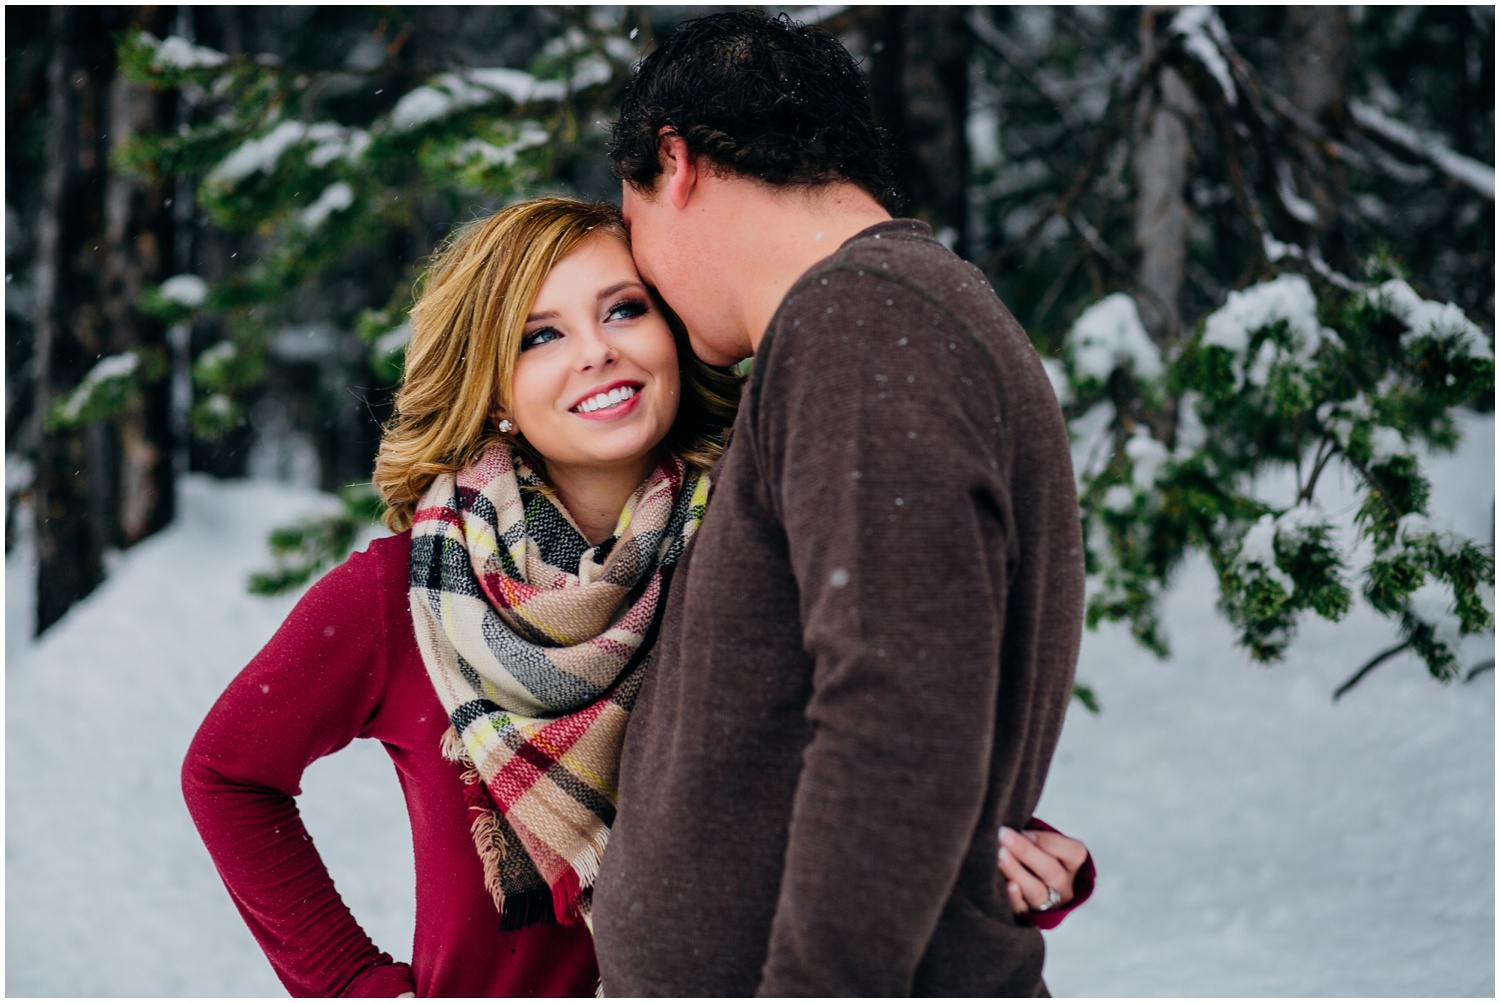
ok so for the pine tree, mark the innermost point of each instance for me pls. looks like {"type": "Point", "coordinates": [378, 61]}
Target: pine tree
{"type": "Point", "coordinates": [1260, 319]}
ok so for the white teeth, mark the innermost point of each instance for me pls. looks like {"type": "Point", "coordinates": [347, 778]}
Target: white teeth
{"type": "Point", "coordinates": [598, 401]}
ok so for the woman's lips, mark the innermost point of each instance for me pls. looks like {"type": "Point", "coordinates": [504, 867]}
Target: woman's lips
{"type": "Point", "coordinates": [611, 412]}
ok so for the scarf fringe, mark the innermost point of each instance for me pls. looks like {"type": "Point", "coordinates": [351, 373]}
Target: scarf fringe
{"type": "Point", "coordinates": [518, 909]}
{"type": "Point", "coordinates": [526, 908]}
{"type": "Point", "coordinates": [586, 864]}
{"type": "Point", "coordinates": [484, 828]}
{"type": "Point", "coordinates": [573, 894]}
{"type": "Point", "coordinates": [567, 894]}
{"type": "Point", "coordinates": [568, 901]}
{"type": "Point", "coordinates": [453, 748]}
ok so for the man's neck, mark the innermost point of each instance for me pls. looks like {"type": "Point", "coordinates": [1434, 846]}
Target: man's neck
{"type": "Point", "coordinates": [781, 233]}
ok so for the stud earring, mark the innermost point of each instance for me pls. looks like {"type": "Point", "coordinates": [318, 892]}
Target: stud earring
{"type": "Point", "coordinates": [506, 426]}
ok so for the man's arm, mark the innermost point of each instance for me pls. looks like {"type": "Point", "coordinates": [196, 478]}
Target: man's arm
{"type": "Point", "coordinates": [881, 427]}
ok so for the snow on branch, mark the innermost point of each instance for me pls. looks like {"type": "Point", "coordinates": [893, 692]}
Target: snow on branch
{"type": "Point", "coordinates": [186, 289]}
{"type": "Point", "coordinates": [452, 92]}
{"type": "Point", "coordinates": [1109, 335]}
{"type": "Point", "coordinates": [1286, 298]}
{"type": "Point", "coordinates": [104, 387]}
{"type": "Point", "coordinates": [335, 198]}
{"type": "Point", "coordinates": [464, 89]}
{"type": "Point", "coordinates": [1204, 38]}
{"type": "Point", "coordinates": [261, 153]}
{"type": "Point", "coordinates": [529, 135]}
{"type": "Point", "coordinates": [1433, 606]}
{"type": "Point", "coordinates": [1276, 250]}
{"type": "Point", "coordinates": [329, 146]}
{"type": "Point", "coordinates": [1298, 207]}
{"type": "Point", "coordinates": [1429, 319]}
{"type": "Point", "coordinates": [1480, 177]}
{"type": "Point", "coordinates": [177, 53]}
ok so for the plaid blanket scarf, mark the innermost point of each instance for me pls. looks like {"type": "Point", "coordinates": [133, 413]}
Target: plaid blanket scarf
{"type": "Point", "coordinates": [537, 644]}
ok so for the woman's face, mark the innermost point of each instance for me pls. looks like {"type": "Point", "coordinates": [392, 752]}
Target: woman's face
{"type": "Point", "coordinates": [596, 384]}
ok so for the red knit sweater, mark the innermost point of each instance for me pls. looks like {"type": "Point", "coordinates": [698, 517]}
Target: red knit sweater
{"type": "Point", "coordinates": [345, 665]}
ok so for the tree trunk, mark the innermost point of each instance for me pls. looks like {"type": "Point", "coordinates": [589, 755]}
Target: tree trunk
{"type": "Point", "coordinates": [138, 234]}
{"type": "Point", "coordinates": [1319, 41]}
{"type": "Point", "coordinates": [1162, 158]}
{"type": "Point", "coordinates": [921, 98]}
{"type": "Point", "coordinates": [68, 335]}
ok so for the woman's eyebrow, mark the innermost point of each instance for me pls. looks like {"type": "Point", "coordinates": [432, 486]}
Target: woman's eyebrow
{"type": "Point", "coordinates": [607, 293]}
{"type": "Point", "coordinates": [602, 294]}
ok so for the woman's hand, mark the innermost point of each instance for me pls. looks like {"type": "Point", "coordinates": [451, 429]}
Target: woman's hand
{"type": "Point", "coordinates": [1037, 864]}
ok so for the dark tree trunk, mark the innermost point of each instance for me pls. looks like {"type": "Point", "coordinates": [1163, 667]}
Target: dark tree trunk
{"type": "Point", "coordinates": [138, 234]}
{"type": "Point", "coordinates": [921, 97]}
{"type": "Point", "coordinates": [68, 323]}
{"type": "Point", "coordinates": [1163, 152]}
{"type": "Point", "coordinates": [1319, 42]}
{"type": "Point", "coordinates": [102, 237]}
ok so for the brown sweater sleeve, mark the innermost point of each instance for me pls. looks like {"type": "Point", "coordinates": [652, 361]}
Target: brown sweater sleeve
{"type": "Point", "coordinates": [880, 443]}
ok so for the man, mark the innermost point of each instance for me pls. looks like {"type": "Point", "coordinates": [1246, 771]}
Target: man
{"type": "Point", "coordinates": [869, 648]}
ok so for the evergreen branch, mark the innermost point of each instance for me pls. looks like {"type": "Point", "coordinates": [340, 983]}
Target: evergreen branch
{"type": "Point", "coordinates": [1488, 665]}
{"type": "Point", "coordinates": [1011, 55]}
{"type": "Point", "coordinates": [1086, 696]}
{"type": "Point", "coordinates": [1119, 113]}
{"type": "Point", "coordinates": [1302, 494]}
{"type": "Point", "coordinates": [1376, 488]}
{"type": "Point", "coordinates": [1474, 175]}
{"type": "Point", "coordinates": [1319, 463]}
{"type": "Point", "coordinates": [1368, 667]}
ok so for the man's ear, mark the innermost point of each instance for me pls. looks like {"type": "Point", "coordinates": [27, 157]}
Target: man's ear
{"type": "Point", "coordinates": [678, 165]}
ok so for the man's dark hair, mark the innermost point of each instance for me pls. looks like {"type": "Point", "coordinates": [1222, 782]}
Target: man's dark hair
{"type": "Point", "coordinates": [764, 97]}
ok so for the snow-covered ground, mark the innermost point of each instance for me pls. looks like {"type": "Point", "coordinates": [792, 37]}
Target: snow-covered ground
{"type": "Point", "coordinates": [1253, 838]}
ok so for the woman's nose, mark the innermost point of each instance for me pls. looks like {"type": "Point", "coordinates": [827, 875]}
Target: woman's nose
{"type": "Point", "coordinates": [594, 350]}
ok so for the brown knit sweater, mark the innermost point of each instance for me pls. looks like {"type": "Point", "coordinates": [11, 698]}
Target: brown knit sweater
{"type": "Point", "coordinates": [865, 660]}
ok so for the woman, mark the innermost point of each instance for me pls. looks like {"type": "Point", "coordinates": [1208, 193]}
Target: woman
{"type": "Point", "coordinates": [546, 466]}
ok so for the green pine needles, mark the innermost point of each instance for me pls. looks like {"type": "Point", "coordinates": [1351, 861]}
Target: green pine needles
{"type": "Point", "coordinates": [304, 549]}
{"type": "Point", "coordinates": [1280, 379]}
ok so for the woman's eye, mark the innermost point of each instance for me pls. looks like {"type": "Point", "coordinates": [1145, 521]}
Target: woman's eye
{"type": "Point", "coordinates": [626, 309]}
{"type": "Point", "coordinates": [535, 338]}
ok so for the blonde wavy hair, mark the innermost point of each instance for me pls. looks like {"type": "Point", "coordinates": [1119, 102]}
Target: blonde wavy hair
{"type": "Point", "coordinates": [466, 325]}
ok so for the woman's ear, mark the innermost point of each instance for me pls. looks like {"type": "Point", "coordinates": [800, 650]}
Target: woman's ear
{"type": "Point", "coordinates": [502, 420]}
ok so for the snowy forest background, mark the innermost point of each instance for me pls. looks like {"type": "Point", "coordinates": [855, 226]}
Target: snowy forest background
{"type": "Point", "coordinates": [1255, 245]}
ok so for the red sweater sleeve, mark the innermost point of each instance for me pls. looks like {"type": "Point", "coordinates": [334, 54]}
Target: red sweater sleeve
{"type": "Point", "coordinates": [315, 687]}
{"type": "Point", "coordinates": [1083, 887]}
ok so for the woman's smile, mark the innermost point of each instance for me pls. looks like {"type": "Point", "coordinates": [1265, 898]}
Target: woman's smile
{"type": "Point", "coordinates": [611, 401]}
